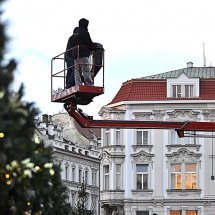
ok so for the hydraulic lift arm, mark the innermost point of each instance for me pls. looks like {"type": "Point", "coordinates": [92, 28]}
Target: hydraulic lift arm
{"type": "Point", "coordinates": [180, 127]}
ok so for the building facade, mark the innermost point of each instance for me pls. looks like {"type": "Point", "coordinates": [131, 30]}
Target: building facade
{"type": "Point", "coordinates": [77, 151]}
{"type": "Point", "coordinates": [146, 171]}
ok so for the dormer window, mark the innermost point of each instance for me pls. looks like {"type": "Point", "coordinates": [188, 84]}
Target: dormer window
{"type": "Point", "coordinates": [179, 91]}
{"type": "Point", "coordinates": [183, 87]}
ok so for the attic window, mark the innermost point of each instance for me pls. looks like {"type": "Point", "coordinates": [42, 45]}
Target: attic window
{"type": "Point", "coordinates": [80, 151]}
{"type": "Point", "coordinates": [185, 91]}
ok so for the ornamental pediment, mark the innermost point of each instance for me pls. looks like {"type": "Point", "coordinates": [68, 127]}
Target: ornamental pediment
{"type": "Point", "coordinates": [142, 156]}
{"type": "Point", "coordinates": [184, 154]}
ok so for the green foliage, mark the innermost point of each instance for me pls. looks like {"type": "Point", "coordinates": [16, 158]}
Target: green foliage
{"type": "Point", "coordinates": [29, 181]}
{"type": "Point", "coordinates": [81, 205]}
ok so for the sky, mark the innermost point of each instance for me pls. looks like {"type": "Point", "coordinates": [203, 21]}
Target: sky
{"type": "Point", "coordinates": [140, 37]}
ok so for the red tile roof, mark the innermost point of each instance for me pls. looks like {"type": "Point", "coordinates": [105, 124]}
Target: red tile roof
{"type": "Point", "coordinates": [154, 90]}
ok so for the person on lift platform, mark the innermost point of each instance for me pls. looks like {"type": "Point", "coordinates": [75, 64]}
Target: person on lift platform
{"type": "Point", "coordinates": [81, 47]}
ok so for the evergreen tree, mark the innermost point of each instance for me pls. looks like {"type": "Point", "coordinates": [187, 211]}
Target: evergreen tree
{"type": "Point", "coordinates": [81, 205]}
{"type": "Point", "coordinates": [29, 181]}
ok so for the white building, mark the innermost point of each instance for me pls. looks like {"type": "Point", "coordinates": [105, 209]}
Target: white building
{"type": "Point", "coordinates": [77, 151]}
{"type": "Point", "coordinates": [153, 171]}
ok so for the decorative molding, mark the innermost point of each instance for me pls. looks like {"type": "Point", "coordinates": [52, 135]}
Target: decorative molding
{"type": "Point", "coordinates": [209, 115]}
{"type": "Point", "coordinates": [142, 156]}
{"type": "Point", "coordinates": [183, 114]}
{"type": "Point", "coordinates": [183, 154]}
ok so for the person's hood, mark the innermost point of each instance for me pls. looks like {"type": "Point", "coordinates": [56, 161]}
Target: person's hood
{"type": "Point", "coordinates": [83, 23]}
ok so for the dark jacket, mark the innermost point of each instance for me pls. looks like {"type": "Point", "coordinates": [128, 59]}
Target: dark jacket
{"type": "Point", "coordinates": [83, 40]}
{"type": "Point", "coordinates": [73, 41]}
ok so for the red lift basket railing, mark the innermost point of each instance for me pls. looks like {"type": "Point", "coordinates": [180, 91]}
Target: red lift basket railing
{"type": "Point", "coordinates": [83, 95]}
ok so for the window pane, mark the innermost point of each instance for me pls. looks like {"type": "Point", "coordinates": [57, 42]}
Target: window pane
{"type": "Point", "coordinates": [139, 137]}
{"type": "Point", "coordinates": [142, 167]}
{"type": "Point", "coordinates": [192, 212]}
{"type": "Point", "coordinates": [176, 168]}
{"type": "Point", "coordinates": [145, 181]}
{"type": "Point", "coordinates": [191, 167]}
{"type": "Point", "coordinates": [139, 181]}
{"type": "Point", "coordinates": [145, 137]}
{"type": "Point", "coordinates": [178, 212]}
{"type": "Point", "coordinates": [117, 137]}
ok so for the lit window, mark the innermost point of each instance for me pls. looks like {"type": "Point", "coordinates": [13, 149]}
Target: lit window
{"type": "Point", "coordinates": [118, 176]}
{"type": "Point", "coordinates": [184, 176]}
{"type": "Point", "coordinates": [106, 177]}
{"type": "Point", "coordinates": [142, 176]}
{"type": "Point", "coordinates": [190, 176]}
{"type": "Point", "coordinates": [176, 176]}
{"type": "Point", "coordinates": [186, 212]}
{"type": "Point", "coordinates": [142, 137]}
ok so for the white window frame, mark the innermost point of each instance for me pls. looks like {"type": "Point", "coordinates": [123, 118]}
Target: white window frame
{"type": "Point", "coordinates": [94, 177]}
{"type": "Point", "coordinates": [143, 174]}
{"type": "Point", "coordinates": [118, 136]}
{"type": "Point", "coordinates": [106, 185]}
{"type": "Point", "coordinates": [184, 174]}
{"type": "Point", "coordinates": [176, 91]}
{"type": "Point", "coordinates": [118, 177]}
{"type": "Point", "coordinates": [66, 172]}
{"type": "Point", "coordinates": [144, 135]}
{"type": "Point", "coordinates": [73, 173]}
{"type": "Point", "coordinates": [107, 137]}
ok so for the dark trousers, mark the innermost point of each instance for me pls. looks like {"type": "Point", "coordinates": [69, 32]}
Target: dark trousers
{"type": "Point", "coordinates": [70, 78]}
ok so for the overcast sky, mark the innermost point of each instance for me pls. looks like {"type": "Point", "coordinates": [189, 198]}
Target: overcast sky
{"type": "Point", "coordinates": [140, 37]}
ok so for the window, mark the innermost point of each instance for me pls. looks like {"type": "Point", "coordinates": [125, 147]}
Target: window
{"type": "Point", "coordinates": [66, 172]}
{"type": "Point", "coordinates": [179, 91]}
{"type": "Point", "coordinates": [176, 176]}
{"type": "Point", "coordinates": [86, 176]}
{"type": "Point", "coordinates": [176, 90]}
{"type": "Point", "coordinates": [142, 212]}
{"type": "Point", "coordinates": [118, 177]}
{"type": "Point", "coordinates": [186, 212]}
{"type": "Point", "coordinates": [188, 91]}
{"type": "Point", "coordinates": [79, 175]}
{"type": "Point", "coordinates": [94, 177]}
{"type": "Point", "coordinates": [142, 176]}
{"type": "Point", "coordinates": [107, 137]}
{"type": "Point", "coordinates": [184, 141]}
{"type": "Point", "coordinates": [142, 137]}
{"type": "Point", "coordinates": [106, 177]}
{"type": "Point", "coordinates": [118, 139]}
{"type": "Point", "coordinates": [73, 173]}
{"type": "Point", "coordinates": [190, 176]}
{"type": "Point", "coordinates": [184, 176]}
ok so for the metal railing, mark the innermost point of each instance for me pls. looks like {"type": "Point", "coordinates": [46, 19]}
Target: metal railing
{"type": "Point", "coordinates": [59, 67]}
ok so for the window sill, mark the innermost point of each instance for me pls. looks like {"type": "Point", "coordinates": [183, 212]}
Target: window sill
{"type": "Point", "coordinates": [142, 191]}
{"type": "Point", "coordinates": [183, 190]}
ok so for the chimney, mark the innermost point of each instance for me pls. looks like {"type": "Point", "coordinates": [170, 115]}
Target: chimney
{"type": "Point", "coordinates": [189, 64]}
